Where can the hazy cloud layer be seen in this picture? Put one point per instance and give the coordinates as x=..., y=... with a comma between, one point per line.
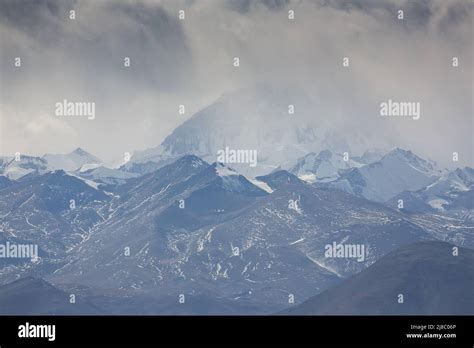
x=190, y=62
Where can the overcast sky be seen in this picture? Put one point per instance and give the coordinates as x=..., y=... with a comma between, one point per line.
x=189, y=62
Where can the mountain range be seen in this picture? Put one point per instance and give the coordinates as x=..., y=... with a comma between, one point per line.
x=200, y=228
x=133, y=236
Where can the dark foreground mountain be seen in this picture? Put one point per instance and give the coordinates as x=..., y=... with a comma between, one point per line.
x=29, y=296
x=431, y=279
x=35, y=296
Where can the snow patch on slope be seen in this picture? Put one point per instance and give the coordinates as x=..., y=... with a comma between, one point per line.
x=260, y=184
x=223, y=171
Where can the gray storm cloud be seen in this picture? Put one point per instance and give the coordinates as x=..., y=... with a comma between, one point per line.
x=189, y=62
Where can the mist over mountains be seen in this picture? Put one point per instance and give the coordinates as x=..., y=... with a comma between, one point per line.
x=236, y=157
x=283, y=62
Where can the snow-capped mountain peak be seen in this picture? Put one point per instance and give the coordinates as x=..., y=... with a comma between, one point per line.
x=75, y=160
x=399, y=170
x=322, y=167
x=26, y=165
x=418, y=163
x=80, y=152
x=250, y=120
